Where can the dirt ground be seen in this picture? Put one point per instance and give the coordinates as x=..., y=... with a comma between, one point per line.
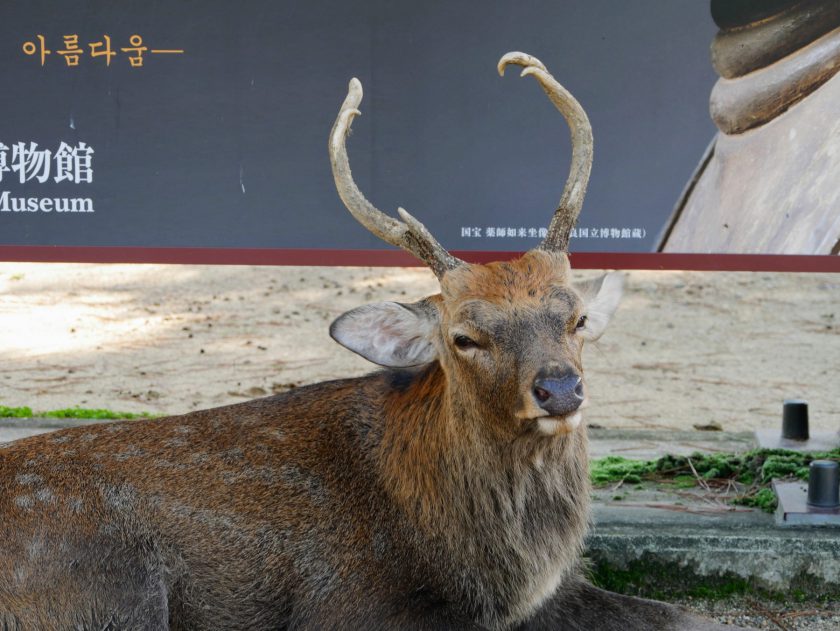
x=685, y=348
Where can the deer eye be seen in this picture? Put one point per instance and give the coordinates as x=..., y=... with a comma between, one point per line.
x=581, y=323
x=463, y=342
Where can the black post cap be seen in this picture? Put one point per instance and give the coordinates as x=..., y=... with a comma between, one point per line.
x=824, y=484
x=795, y=419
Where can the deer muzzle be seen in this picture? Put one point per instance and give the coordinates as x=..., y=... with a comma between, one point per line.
x=559, y=396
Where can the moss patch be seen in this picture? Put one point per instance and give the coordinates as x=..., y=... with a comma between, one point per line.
x=752, y=471
x=764, y=498
x=649, y=578
x=26, y=412
x=615, y=469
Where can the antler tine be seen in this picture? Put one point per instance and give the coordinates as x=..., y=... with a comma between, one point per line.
x=572, y=199
x=408, y=234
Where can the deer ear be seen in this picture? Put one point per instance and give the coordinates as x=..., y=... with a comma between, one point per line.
x=389, y=333
x=601, y=297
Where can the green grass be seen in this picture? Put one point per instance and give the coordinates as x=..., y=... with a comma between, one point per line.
x=7, y=412
x=82, y=413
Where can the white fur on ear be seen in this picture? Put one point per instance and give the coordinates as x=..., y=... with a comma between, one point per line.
x=389, y=333
x=601, y=297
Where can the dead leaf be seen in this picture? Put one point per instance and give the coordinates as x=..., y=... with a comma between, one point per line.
x=711, y=426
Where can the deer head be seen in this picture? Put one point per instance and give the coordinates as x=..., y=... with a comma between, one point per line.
x=508, y=335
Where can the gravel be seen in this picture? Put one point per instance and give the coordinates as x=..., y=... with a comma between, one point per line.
x=761, y=614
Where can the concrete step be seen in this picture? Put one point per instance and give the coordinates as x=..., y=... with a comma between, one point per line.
x=664, y=543
x=17, y=428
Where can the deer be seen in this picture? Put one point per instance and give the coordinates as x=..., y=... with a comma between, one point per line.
x=447, y=490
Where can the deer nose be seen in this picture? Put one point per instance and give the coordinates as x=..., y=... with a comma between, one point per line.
x=559, y=395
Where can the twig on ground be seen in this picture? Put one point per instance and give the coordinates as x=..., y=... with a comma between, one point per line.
x=800, y=613
x=618, y=485
x=700, y=480
x=759, y=609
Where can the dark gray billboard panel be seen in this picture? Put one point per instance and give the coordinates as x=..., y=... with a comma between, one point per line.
x=149, y=131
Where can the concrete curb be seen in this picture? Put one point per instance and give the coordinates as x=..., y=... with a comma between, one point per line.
x=646, y=444
x=17, y=428
x=671, y=551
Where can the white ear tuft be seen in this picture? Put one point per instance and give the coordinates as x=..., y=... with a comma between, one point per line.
x=389, y=333
x=601, y=297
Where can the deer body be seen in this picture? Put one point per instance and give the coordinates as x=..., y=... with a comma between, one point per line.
x=449, y=491
x=313, y=495
x=264, y=515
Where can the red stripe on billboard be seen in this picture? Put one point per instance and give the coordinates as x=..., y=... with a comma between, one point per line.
x=396, y=258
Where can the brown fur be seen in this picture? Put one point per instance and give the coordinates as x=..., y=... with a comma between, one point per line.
x=421, y=498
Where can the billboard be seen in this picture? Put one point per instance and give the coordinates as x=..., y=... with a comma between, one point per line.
x=196, y=131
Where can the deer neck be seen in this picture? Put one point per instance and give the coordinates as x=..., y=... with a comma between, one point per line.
x=511, y=514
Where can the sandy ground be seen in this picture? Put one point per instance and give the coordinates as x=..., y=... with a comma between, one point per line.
x=685, y=348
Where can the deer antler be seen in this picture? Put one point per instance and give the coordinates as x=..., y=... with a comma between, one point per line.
x=409, y=233
x=570, y=203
